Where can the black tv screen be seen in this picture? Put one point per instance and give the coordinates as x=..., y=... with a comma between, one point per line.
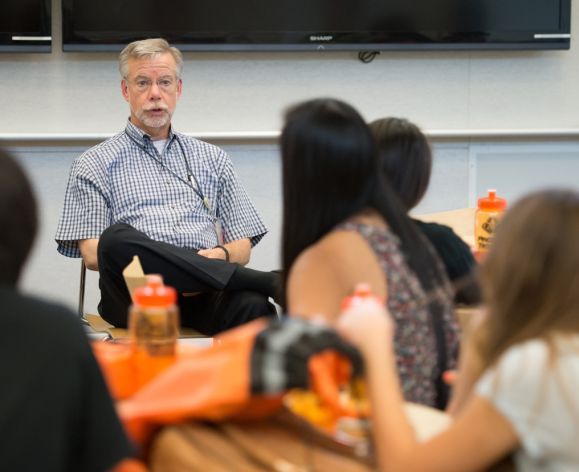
x=107, y=25
x=25, y=26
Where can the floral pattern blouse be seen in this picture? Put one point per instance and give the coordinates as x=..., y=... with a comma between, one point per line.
x=415, y=338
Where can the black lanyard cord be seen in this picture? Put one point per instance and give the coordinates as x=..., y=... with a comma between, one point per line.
x=190, y=175
x=191, y=180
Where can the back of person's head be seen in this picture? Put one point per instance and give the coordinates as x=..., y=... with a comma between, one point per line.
x=18, y=215
x=530, y=277
x=405, y=157
x=147, y=49
x=329, y=171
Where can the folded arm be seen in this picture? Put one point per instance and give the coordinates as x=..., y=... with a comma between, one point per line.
x=239, y=251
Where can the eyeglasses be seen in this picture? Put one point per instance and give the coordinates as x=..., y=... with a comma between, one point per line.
x=166, y=84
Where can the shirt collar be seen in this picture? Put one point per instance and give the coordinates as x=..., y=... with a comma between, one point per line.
x=138, y=135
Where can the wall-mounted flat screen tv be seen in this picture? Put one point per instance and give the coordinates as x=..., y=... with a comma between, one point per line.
x=25, y=26
x=210, y=25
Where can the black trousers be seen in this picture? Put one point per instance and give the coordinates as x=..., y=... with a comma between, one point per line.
x=214, y=310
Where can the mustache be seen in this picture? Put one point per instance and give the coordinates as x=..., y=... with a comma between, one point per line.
x=157, y=107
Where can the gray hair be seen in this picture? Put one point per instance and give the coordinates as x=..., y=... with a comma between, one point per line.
x=149, y=48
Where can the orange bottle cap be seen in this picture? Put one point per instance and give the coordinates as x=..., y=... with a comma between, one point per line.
x=361, y=291
x=492, y=202
x=155, y=293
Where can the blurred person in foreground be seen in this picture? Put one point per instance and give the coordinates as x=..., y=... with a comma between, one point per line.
x=56, y=414
x=519, y=370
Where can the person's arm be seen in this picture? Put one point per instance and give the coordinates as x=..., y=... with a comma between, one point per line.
x=239, y=251
x=86, y=212
x=469, y=365
x=328, y=271
x=469, y=370
x=88, y=251
x=478, y=438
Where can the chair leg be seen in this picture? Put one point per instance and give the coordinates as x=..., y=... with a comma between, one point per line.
x=81, y=290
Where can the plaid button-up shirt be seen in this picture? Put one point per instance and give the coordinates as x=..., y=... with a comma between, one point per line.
x=126, y=180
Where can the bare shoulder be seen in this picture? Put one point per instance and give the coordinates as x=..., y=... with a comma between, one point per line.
x=328, y=271
x=343, y=242
x=337, y=251
x=353, y=258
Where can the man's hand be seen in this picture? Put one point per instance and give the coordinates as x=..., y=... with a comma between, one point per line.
x=239, y=251
x=214, y=253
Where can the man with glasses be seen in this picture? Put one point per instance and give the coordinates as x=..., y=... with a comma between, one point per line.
x=170, y=199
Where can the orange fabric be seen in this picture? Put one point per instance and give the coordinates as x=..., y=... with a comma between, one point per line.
x=329, y=372
x=130, y=465
x=210, y=384
x=118, y=367
x=213, y=384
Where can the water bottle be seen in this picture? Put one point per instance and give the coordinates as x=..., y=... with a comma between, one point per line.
x=153, y=328
x=356, y=430
x=362, y=299
x=487, y=216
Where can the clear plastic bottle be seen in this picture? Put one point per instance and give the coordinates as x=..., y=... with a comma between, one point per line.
x=356, y=430
x=488, y=214
x=153, y=328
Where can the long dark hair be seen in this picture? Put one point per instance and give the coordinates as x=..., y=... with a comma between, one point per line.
x=330, y=173
x=405, y=157
x=18, y=216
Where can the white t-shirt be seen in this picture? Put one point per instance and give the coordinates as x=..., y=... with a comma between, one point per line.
x=540, y=400
x=160, y=145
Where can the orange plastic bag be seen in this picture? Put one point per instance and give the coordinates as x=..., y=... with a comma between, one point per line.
x=239, y=377
x=329, y=372
x=210, y=384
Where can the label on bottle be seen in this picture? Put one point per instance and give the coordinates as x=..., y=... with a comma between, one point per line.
x=485, y=226
x=154, y=332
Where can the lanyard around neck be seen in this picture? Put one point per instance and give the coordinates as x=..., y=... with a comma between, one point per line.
x=191, y=180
